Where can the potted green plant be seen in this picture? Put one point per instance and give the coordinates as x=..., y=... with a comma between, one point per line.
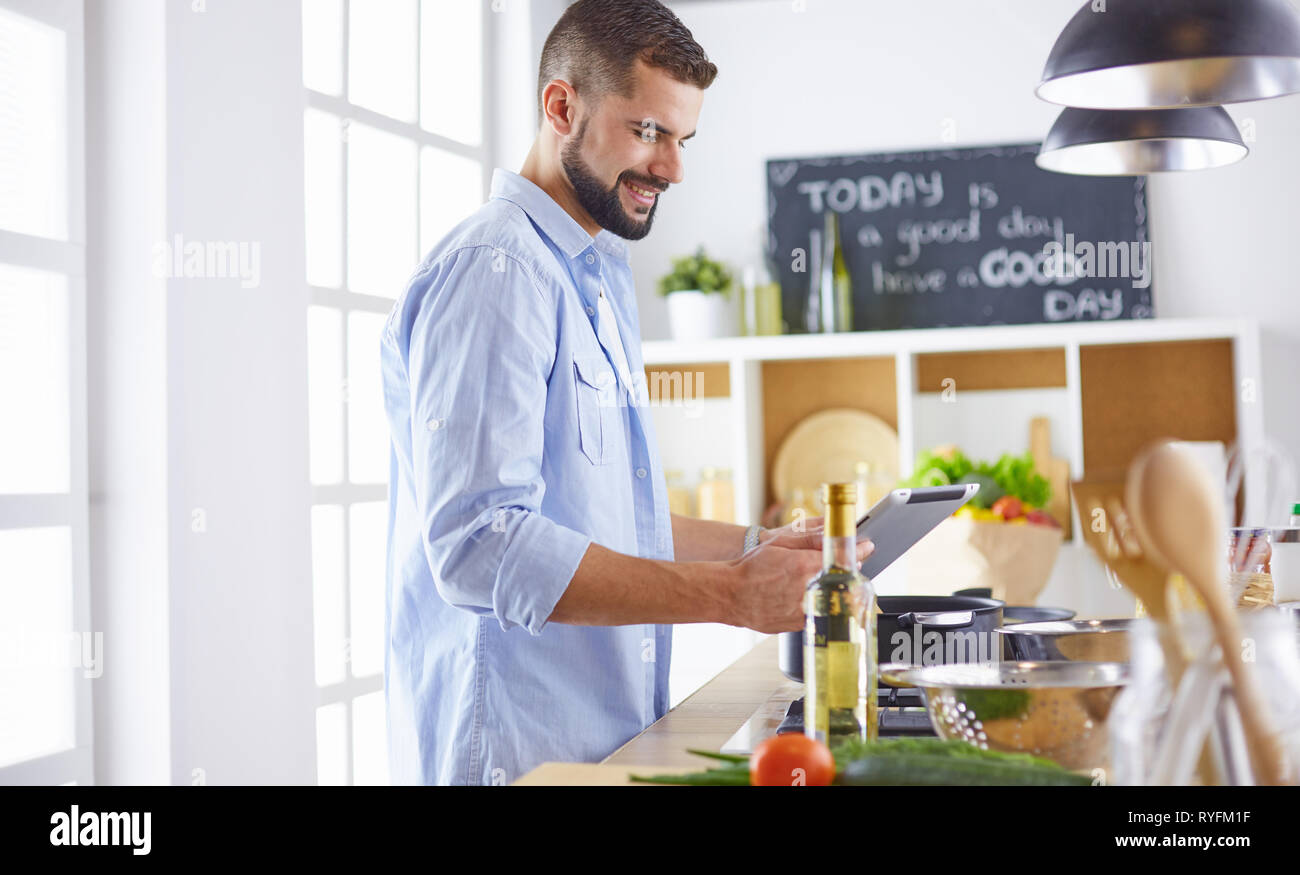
x=698, y=292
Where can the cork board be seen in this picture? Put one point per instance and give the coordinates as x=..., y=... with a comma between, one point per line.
x=992, y=369
x=1137, y=393
x=794, y=389
x=668, y=383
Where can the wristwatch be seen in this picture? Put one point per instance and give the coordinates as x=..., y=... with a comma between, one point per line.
x=751, y=538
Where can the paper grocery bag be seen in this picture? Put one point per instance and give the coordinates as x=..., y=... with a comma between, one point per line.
x=1013, y=560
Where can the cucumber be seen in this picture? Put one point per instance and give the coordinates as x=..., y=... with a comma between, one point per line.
x=853, y=749
x=943, y=770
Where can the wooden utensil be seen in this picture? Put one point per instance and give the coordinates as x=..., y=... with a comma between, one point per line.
x=1114, y=539
x=1182, y=527
x=1118, y=546
x=1055, y=469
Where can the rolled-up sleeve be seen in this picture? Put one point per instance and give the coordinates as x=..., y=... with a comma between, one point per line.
x=480, y=349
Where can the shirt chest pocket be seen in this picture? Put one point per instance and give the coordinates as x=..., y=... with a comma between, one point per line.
x=597, y=399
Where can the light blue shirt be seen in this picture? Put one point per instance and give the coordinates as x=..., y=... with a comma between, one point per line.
x=514, y=448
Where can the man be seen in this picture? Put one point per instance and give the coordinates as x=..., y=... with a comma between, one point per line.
x=533, y=565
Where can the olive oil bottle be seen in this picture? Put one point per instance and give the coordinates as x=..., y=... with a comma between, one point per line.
x=840, y=632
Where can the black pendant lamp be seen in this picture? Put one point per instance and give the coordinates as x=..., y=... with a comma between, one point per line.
x=1152, y=54
x=1099, y=142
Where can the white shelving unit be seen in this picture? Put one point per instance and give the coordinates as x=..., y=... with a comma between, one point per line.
x=731, y=428
x=744, y=356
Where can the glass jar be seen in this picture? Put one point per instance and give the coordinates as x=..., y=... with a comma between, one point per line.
x=715, y=497
x=1250, y=580
x=679, y=497
x=1192, y=735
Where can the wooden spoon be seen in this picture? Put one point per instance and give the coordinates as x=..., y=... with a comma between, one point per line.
x=1161, y=607
x=1118, y=547
x=1156, y=597
x=1182, y=527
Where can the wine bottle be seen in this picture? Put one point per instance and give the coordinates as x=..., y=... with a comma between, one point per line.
x=813, y=304
x=840, y=631
x=836, y=285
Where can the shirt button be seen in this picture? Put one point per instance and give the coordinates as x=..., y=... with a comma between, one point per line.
x=640, y=472
x=591, y=259
x=591, y=311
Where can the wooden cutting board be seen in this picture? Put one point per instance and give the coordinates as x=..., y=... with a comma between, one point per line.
x=590, y=775
x=1056, y=470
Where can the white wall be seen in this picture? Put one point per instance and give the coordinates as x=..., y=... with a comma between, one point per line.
x=849, y=76
x=243, y=684
x=202, y=563
x=127, y=389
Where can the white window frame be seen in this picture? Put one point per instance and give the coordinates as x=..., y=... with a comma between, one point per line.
x=346, y=493
x=72, y=508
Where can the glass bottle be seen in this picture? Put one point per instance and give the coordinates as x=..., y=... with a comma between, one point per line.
x=840, y=285
x=715, y=497
x=679, y=497
x=862, y=479
x=830, y=297
x=749, y=302
x=761, y=303
x=840, y=632
x=813, y=303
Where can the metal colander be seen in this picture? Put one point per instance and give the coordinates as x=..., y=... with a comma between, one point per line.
x=1056, y=710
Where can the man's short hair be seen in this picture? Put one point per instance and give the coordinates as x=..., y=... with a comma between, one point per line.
x=596, y=43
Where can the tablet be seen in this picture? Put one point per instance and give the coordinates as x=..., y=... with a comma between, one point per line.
x=905, y=516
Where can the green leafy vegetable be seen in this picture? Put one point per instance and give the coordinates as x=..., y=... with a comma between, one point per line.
x=1010, y=475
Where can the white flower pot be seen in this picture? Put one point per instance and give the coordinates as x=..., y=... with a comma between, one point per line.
x=694, y=315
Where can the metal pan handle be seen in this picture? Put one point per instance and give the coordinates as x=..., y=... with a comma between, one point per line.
x=941, y=619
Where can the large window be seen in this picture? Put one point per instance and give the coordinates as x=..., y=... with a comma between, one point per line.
x=396, y=153
x=48, y=654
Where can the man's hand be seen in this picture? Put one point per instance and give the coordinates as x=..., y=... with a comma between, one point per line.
x=803, y=534
x=772, y=577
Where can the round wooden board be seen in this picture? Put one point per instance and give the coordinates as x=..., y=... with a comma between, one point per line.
x=826, y=447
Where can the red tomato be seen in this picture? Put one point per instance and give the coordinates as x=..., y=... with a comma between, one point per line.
x=1007, y=507
x=1042, y=518
x=791, y=760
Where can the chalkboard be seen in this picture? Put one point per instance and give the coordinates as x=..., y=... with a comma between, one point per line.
x=975, y=236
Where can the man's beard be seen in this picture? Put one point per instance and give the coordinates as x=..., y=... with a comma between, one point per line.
x=606, y=206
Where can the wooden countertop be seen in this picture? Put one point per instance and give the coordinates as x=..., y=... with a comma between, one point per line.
x=711, y=715
x=705, y=720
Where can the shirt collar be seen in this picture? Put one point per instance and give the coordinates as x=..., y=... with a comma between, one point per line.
x=562, y=228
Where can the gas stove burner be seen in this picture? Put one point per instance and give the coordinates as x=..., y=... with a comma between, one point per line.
x=902, y=712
